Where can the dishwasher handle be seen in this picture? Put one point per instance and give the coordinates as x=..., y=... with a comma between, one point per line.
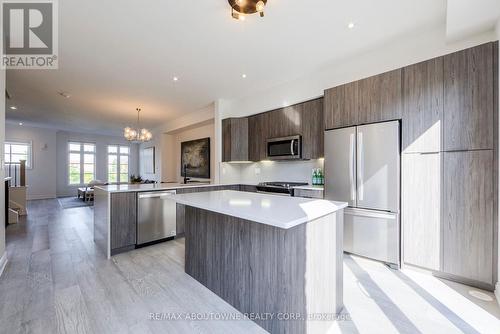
x=158, y=194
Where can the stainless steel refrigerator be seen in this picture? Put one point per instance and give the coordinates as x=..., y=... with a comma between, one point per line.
x=362, y=167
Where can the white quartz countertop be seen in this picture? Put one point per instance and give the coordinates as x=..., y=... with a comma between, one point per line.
x=279, y=211
x=116, y=188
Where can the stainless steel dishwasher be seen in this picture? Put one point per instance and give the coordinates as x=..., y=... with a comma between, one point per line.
x=156, y=219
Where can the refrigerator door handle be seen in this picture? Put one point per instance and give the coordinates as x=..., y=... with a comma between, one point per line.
x=361, y=167
x=352, y=158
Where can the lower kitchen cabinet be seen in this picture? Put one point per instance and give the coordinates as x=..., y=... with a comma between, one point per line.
x=421, y=210
x=447, y=214
x=468, y=215
x=123, y=221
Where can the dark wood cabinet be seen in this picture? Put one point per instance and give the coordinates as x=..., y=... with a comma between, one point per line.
x=341, y=106
x=469, y=99
x=305, y=119
x=468, y=229
x=374, y=99
x=284, y=122
x=181, y=209
x=422, y=126
x=312, y=129
x=257, y=132
x=380, y=97
x=123, y=221
x=235, y=139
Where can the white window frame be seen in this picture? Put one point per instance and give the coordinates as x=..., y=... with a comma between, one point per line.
x=118, y=155
x=82, y=153
x=29, y=143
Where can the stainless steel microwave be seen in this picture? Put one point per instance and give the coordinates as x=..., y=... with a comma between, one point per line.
x=285, y=148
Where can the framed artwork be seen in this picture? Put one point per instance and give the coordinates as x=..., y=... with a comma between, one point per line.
x=148, y=160
x=195, y=158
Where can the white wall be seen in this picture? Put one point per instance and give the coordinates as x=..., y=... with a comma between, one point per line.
x=412, y=49
x=41, y=178
x=198, y=132
x=157, y=143
x=163, y=142
x=291, y=171
x=63, y=137
x=3, y=256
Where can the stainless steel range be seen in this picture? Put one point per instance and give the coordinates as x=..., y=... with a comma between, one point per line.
x=279, y=188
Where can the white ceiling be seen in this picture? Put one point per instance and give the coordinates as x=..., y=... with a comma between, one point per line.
x=469, y=17
x=117, y=55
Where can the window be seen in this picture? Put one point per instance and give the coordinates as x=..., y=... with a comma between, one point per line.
x=16, y=151
x=81, y=163
x=118, y=157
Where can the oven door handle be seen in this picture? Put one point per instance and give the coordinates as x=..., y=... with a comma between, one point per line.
x=291, y=146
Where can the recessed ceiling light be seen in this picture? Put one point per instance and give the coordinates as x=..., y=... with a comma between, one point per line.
x=64, y=94
x=244, y=76
x=350, y=25
x=20, y=123
x=13, y=107
x=176, y=79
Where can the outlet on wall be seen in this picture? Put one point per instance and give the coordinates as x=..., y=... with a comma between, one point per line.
x=257, y=170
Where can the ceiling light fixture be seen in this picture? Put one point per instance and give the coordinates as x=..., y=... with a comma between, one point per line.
x=176, y=79
x=240, y=8
x=13, y=107
x=137, y=135
x=20, y=123
x=244, y=76
x=64, y=94
x=350, y=25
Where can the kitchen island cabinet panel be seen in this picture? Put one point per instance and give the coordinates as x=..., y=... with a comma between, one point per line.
x=123, y=221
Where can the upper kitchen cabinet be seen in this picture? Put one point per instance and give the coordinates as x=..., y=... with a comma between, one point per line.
x=341, y=106
x=380, y=98
x=285, y=122
x=312, y=129
x=423, y=106
x=257, y=132
x=468, y=98
x=235, y=139
x=304, y=119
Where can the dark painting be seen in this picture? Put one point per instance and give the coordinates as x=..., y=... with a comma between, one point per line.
x=195, y=158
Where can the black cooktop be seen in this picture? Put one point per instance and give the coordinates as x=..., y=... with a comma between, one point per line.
x=279, y=187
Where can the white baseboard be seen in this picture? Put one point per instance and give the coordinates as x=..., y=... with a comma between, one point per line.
x=3, y=262
x=497, y=292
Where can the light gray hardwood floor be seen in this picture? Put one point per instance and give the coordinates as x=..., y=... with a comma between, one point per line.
x=56, y=281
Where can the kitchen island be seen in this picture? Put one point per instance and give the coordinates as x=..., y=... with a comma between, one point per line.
x=116, y=212
x=277, y=259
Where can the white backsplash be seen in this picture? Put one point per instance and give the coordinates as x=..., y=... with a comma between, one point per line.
x=290, y=171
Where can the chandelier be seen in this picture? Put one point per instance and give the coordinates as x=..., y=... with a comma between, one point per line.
x=137, y=134
x=241, y=7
